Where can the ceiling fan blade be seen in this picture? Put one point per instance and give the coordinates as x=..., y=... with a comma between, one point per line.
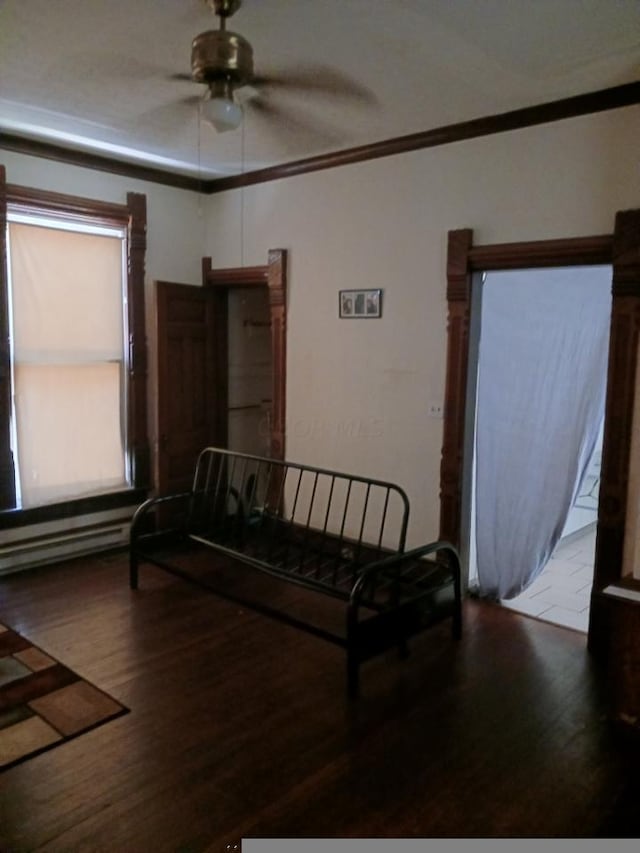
x=186, y=78
x=170, y=111
x=189, y=101
x=318, y=78
x=196, y=10
x=290, y=125
x=102, y=66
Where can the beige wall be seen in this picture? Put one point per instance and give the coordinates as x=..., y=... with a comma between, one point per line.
x=358, y=391
x=631, y=561
x=175, y=226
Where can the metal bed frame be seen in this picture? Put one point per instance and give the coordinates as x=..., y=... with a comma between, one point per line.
x=337, y=534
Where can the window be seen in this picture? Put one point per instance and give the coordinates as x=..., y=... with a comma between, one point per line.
x=68, y=430
x=72, y=372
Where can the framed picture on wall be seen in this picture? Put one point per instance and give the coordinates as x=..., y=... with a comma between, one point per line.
x=360, y=304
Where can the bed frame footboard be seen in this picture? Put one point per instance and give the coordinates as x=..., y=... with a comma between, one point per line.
x=332, y=533
x=422, y=591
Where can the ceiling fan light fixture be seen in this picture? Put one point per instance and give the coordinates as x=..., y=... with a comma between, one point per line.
x=222, y=112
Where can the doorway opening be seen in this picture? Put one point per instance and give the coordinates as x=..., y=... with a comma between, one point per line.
x=250, y=371
x=251, y=362
x=537, y=388
x=619, y=249
x=193, y=352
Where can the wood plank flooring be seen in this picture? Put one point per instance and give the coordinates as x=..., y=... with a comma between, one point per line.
x=240, y=727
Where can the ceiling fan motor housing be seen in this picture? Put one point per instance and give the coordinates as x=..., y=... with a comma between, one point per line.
x=221, y=55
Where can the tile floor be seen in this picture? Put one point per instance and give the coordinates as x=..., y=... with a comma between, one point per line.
x=561, y=593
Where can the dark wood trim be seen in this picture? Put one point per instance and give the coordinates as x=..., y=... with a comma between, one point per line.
x=7, y=469
x=237, y=276
x=623, y=252
x=629, y=583
x=43, y=203
x=459, y=313
x=71, y=509
x=273, y=276
x=464, y=259
x=97, y=162
x=616, y=449
x=220, y=344
x=592, y=102
x=221, y=362
x=277, y=282
x=602, y=100
x=542, y=253
x=138, y=438
x=623, y=350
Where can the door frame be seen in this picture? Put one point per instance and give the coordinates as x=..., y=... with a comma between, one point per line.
x=273, y=276
x=622, y=251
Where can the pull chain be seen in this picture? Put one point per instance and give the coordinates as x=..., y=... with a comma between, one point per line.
x=242, y=195
x=199, y=139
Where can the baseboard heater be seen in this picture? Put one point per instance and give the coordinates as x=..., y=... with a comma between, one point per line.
x=52, y=547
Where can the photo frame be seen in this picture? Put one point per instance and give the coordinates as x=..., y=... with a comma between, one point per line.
x=360, y=304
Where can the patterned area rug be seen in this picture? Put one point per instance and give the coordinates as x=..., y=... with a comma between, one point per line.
x=43, y=703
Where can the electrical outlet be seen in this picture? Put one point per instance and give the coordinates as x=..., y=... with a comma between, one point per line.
x=436, y=410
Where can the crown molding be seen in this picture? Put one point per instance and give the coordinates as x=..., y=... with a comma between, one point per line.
x=612, y=98
x=97, y=162
x=592, y=102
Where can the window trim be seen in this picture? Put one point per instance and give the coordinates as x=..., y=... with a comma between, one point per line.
x=133, y=217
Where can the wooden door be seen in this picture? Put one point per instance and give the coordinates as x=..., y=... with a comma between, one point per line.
x=192, y=355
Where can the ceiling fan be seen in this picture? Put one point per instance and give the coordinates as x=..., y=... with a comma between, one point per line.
x=223, y=60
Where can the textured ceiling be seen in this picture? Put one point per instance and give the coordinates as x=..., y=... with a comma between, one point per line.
x=93, y=74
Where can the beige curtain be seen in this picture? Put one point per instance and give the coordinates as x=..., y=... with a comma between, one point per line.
x=66, y=291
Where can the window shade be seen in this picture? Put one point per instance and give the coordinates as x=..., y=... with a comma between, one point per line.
x=67, y=314
x=67, y=295
x=69, y=437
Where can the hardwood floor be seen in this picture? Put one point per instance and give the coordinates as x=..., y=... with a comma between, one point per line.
x=240, y=727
